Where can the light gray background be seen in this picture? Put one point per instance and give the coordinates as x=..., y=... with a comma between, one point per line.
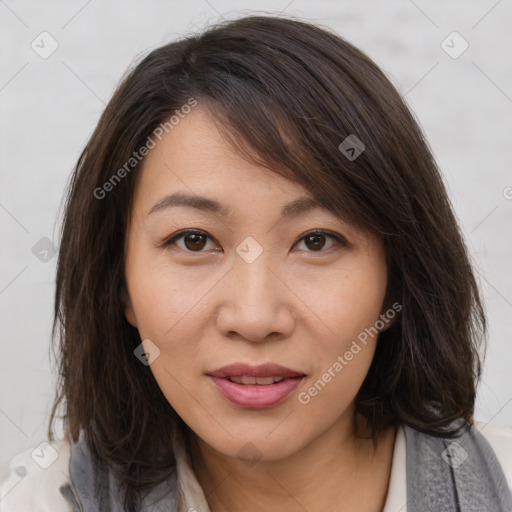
x=49, y=108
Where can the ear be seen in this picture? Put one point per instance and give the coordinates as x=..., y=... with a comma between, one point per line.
x=389, y=322
x=390, y=315
x=129, y=313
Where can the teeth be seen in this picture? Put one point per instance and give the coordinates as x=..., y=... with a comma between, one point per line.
x=261, y=381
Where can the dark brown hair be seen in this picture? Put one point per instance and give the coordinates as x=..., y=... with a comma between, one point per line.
x=285, y=93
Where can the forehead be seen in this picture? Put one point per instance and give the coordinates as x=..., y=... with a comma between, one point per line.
x=193, y=159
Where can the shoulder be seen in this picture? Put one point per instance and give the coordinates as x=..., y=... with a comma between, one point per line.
x=35, y=479
x=500, y=439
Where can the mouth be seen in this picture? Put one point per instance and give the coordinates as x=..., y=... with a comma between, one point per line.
x=256, y=387
x=247, y=380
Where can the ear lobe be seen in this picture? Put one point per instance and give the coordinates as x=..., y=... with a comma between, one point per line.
x=390, y=316
x=129, y=313
x=389, y=322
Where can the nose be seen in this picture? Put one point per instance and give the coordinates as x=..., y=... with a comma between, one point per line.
x=256, y=303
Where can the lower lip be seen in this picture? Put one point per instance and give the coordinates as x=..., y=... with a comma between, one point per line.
x=254, y=396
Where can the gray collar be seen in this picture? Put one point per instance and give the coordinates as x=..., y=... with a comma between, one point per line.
x=461, y=474
x=443, y=475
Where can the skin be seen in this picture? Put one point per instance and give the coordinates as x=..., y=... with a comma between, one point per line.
x=297, y=304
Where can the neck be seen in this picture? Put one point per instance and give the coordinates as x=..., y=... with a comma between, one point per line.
x=337, y=467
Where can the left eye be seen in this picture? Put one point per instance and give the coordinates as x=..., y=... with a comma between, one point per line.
x=195, y=241
x=315, y=240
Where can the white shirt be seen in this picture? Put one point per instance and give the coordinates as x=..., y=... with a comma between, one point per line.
x=32, y=488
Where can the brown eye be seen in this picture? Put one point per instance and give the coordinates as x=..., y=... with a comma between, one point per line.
x=316, y=241
x=193, y=241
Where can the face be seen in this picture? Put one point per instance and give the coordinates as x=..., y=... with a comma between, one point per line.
x=241, y=284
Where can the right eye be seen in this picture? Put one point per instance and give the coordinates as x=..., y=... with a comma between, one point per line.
x=193, y=240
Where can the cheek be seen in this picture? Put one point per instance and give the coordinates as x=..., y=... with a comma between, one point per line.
x=171, y=311
x=175, y=321
x=346, y=303
x=329, y=394
x=341, y=364
x=167, y=299
x=347, y=307
x=167, y=316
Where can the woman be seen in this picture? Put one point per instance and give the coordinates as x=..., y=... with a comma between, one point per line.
x=263, y=298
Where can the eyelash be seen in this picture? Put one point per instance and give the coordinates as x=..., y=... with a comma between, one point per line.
x=338, y=238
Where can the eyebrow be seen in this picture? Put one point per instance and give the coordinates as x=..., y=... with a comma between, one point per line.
x=292, y=209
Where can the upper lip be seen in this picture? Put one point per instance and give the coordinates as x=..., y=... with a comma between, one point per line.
x=262, y=370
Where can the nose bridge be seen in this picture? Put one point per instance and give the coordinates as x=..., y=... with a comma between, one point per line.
x=255, y=285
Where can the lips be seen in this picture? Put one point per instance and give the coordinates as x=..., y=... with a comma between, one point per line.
x=255, y=387
x=262, y=370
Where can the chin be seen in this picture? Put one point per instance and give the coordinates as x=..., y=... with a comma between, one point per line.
x=255, y=444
